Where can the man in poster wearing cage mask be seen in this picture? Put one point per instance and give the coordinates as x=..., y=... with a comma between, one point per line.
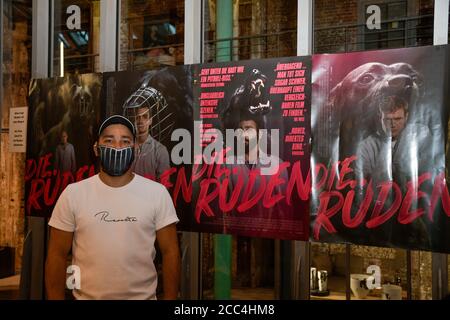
x=142, y=109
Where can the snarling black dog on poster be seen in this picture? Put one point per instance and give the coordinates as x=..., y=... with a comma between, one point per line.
x=255, y=188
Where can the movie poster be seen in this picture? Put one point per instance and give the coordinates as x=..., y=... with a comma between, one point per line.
x=251, y=148
x=63, y=115
x=159, y=104
x=379, y=128
x=262, y=192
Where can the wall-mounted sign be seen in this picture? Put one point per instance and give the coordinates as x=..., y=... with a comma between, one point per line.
x=18, y=129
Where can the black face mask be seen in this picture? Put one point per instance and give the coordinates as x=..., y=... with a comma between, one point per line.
x=115, y=162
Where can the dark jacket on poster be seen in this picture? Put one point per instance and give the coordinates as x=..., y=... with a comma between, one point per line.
x=379, y=159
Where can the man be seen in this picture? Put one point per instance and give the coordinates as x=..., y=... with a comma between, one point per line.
x=152, y=159
x=399, y=152
x=65, y=155
x=253, y=156
x=383, y=156
x=254, y=168
x=110, y=221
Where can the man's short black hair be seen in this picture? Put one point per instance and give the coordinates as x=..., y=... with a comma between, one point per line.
x=394, y=103
x=247, y=117
x=232, y=118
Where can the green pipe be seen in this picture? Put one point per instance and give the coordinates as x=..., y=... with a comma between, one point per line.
x=222, y=243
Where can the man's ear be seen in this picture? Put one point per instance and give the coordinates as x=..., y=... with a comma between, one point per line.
x=96, y=149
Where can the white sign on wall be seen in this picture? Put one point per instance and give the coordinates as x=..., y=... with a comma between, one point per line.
x=18, y=129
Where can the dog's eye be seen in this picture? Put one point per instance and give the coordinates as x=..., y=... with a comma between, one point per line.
x=366, y=79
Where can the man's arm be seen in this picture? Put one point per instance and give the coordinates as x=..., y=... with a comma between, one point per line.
x=163, y=161
x=73, y=161
x=171, y=261
x=55, y=266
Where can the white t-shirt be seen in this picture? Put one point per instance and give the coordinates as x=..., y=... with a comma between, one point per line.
x=114, y=235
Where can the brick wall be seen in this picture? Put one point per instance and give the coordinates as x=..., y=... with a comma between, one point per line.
x=16, y=75
x=281, y=17
x=330, y=17
x=136, y=13
x=330, y=14
x=123, y=36
x=277, y=19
